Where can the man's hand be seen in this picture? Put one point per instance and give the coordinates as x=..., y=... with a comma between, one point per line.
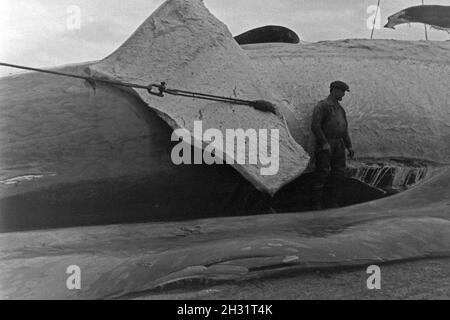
x=351, y=153
x=326, y=147
x=265, y=106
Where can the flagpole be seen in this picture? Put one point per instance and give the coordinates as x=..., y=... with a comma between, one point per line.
x=426, y=32
x=375, y=19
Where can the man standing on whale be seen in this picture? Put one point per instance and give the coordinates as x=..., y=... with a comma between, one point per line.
x=330, y=128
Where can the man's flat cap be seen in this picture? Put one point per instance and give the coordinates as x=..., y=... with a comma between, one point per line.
x=340, y=85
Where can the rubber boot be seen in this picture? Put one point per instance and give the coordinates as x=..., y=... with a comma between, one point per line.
x=333, y=197
x=317, y=199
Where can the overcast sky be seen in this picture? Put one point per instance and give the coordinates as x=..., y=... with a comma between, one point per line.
x=42, y=33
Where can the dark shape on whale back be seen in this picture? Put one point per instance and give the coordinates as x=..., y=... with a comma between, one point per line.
x=268, y=34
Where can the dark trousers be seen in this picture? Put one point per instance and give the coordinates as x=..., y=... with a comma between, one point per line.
x=330, y=169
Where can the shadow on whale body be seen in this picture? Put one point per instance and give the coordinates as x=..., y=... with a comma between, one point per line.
x=120, y=202
x=186, y=193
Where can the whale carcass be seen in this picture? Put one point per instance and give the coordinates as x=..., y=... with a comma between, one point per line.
x=191, y=49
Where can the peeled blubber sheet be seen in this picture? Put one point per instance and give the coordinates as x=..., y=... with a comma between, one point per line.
x=183, y=44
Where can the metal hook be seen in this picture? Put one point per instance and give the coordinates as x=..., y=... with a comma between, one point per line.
x=161, y=89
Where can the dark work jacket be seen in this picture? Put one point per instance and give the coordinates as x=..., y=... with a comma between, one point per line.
x=330, y=122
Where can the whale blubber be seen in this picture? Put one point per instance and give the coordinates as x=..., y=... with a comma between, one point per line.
x=203, y=57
